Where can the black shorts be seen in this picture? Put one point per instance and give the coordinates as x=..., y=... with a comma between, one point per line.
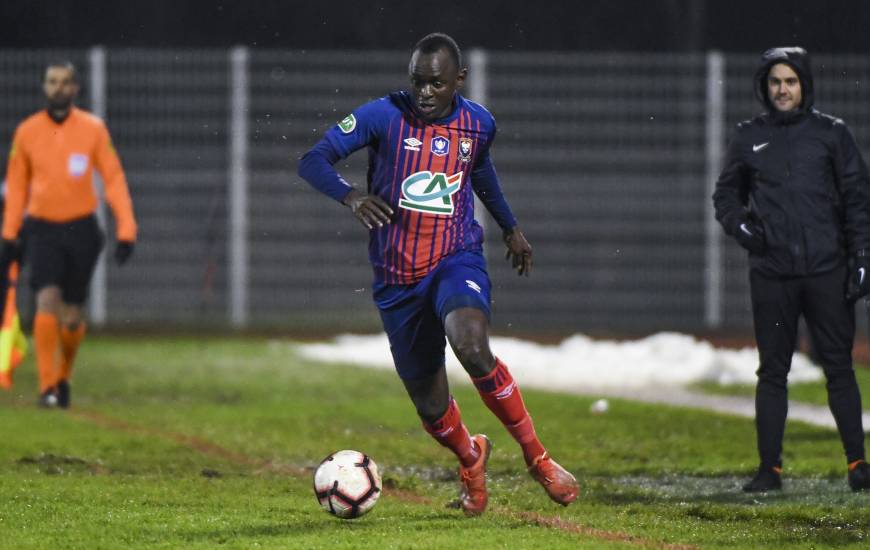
x=63, y=254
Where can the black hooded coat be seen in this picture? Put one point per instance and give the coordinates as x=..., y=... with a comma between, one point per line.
x=800, y=177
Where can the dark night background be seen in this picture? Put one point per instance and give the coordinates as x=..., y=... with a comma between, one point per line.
x=628, y=25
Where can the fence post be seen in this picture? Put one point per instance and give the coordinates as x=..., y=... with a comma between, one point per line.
x=478, y=84
x=237, y=198
x=715, y=139
x=99, y=283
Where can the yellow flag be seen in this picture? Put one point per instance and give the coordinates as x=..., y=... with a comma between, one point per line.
x=13, y=343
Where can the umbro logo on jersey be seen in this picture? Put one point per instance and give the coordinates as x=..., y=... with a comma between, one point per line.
x=412, y=144
x=429, y=192
x=440, y=146
x=472, y=285
x=760, y=146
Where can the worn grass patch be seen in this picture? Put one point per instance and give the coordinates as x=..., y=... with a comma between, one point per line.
x=191, y=444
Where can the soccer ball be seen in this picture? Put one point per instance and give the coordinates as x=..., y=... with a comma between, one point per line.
x=347, y=484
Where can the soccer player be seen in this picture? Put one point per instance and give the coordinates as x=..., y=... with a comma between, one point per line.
x=795, y=194
x=49, y=179
x=428, y=151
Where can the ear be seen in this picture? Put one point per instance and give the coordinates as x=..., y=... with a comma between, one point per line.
x=460, y=77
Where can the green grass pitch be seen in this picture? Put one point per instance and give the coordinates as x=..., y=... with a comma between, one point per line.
x=211, y=443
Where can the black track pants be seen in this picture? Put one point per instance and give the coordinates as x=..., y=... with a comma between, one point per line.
x=777, y=304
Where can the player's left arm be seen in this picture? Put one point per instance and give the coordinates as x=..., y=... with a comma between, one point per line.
x=854, y=186
x=117, y=195
x=484, y=181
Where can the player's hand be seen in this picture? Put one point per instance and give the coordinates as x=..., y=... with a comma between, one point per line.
x=370, y=210
x=10, y=251
x=858, y=284
x=123, y=251
x=750, y=235
x=519, y=251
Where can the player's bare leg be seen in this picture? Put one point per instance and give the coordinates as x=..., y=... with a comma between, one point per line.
x=46, y=335
x=443, y=421
x=468, y=333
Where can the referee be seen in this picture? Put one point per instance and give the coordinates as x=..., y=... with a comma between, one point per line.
x=794, y=192
x=50, y=212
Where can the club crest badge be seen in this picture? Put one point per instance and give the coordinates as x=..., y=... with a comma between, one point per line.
x=440, y=146
x=465, y=149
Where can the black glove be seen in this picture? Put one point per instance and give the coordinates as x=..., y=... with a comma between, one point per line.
x=750, y=235
x=858, y=284
x=123, y=251
x=10, y=252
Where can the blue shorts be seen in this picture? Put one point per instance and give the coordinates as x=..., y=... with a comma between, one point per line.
x=413, y=315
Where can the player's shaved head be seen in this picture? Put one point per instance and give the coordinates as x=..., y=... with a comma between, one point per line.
x=437, y=41
x=63, y=64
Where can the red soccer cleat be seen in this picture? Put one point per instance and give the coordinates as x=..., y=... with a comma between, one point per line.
x=556, y=480
x=473, y=496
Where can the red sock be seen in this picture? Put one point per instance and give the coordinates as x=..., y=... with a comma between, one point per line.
x=452, y=433
x=502, y=395
x=46, y=334
x=69, y=345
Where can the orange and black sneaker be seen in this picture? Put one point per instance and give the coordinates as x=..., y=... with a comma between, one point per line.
x=63, y=394
x=859, y=475
x=766, y=479
x=556, y=480
x=473, y=496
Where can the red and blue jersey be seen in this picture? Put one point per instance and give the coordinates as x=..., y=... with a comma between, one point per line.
x=427, y=172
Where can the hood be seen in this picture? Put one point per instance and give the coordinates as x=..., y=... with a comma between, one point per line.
x=799, y=60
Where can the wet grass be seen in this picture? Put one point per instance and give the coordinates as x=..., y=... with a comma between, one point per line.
x=813, y=393
x=185, y=443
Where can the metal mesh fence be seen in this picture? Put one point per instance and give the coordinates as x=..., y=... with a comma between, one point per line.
x=601, y=155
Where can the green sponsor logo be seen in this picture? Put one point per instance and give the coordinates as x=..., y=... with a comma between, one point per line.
x=347, y=124
x=431, y=193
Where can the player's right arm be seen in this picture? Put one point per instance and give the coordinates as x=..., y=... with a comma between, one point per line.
x=729, y=198
x=17, y=188
x=357, y=130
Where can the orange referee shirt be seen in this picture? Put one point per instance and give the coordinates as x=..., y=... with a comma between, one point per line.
x=50, y=173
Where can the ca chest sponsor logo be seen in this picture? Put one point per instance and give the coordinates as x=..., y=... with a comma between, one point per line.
x=430, y=192
x=440, y=146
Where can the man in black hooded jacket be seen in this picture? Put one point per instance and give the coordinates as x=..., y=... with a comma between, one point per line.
x=794, y=192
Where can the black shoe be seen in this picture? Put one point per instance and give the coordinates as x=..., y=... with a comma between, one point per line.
x=859, y=476
x=63, y=394
x=48, y=399
x=767, y=479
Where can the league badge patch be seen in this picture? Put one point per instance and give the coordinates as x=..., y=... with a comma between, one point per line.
x=347, y=124
x=465, y=149
x=440, y=146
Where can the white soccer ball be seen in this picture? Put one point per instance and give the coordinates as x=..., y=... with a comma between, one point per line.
x=600, y=407
x=347, y=484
